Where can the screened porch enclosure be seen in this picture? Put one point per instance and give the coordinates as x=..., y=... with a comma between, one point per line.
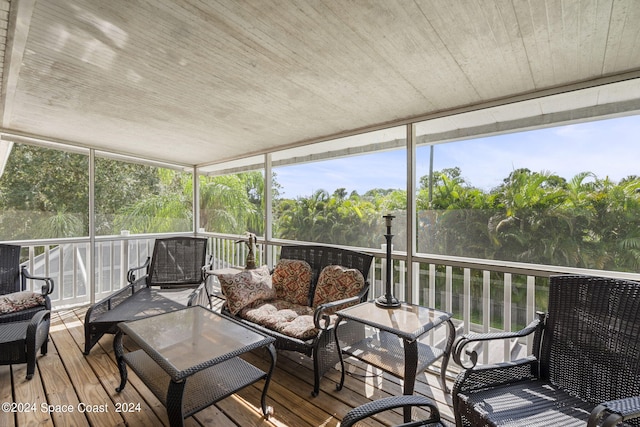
x=480, y=250
x=501, y=135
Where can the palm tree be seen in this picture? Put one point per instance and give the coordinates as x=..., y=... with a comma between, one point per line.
x=321, y=217
x=232, y=203
x=59, y=225
x=527, y=228
x=616, y=230
x=157, y=213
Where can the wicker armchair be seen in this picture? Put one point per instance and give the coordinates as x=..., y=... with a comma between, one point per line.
x=174, y=279
x=13, y=281
x=372, y=408
x=585, y=366
x=21, y=340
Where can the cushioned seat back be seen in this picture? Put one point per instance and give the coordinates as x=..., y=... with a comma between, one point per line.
x=336, y=283
x=177, y=261
x=591, y=342
x=319, y=257
x=9, y=269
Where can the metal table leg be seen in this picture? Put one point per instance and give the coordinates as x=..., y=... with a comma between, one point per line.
x=268, y=410
x=410, y=372
x=335, y=334
x=174, y=403
x=122, y=365
x=447, y=355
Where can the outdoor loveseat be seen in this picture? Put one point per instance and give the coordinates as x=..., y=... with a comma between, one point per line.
x=295, y=303
x=585, y=365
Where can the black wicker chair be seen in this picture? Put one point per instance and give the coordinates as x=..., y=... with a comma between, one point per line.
x=377, y=406
x=174, y=279
x=21, y=340
x=13, y=278
x=322, y=348
x=585, y=367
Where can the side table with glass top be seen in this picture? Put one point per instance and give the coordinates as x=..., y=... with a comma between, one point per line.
x=189, y=359
x=393, y=341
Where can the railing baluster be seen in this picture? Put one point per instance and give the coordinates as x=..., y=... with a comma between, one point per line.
x=432, y=285
x=124, y=260
x=507, y=314
x=98, y=257
x=415, y=291
x=449, y=289
x=402, y=269
x=74, y=271
x=531, y=306
x=486, y=311
x=223, y=252
x=31, y=265
x=466, y=304
x=63, y=284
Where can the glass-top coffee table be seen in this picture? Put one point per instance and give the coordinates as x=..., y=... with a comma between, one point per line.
x=393, y=340
x=189, y=359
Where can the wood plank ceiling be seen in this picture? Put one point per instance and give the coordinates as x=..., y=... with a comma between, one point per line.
x=202, y=81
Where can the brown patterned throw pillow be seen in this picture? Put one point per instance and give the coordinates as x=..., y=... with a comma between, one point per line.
x=292, y=280
x=335, y=283
x=241, y=289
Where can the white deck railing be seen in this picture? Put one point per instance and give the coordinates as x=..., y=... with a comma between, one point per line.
x=482, y=297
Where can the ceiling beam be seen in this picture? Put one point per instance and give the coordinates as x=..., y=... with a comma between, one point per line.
x=19, y=22
x=18, y=29
x=559, y=118
x=592, y=83
x=11, y=136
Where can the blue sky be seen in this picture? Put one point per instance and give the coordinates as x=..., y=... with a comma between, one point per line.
x=608, y=148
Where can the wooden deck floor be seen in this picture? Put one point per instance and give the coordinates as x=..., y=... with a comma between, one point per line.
x=66, y=382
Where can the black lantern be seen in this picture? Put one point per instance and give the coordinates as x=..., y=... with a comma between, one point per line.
x=388, y=300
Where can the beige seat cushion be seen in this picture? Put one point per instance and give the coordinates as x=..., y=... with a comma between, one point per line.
x=293, y=320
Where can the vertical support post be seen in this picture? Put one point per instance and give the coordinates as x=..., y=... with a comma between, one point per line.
x=91, y=280
x=268, y=209
x=412, y=285
x=196, y=200
x=430, y=175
